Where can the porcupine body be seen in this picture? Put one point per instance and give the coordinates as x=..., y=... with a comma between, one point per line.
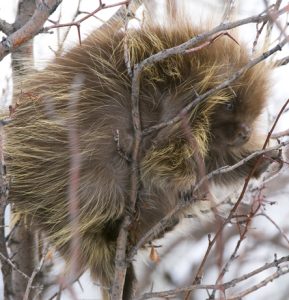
x=220, y=131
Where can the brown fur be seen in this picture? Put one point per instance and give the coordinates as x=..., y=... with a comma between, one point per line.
x=37, y=148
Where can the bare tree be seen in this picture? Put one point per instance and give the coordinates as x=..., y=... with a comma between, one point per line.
x=23, y=254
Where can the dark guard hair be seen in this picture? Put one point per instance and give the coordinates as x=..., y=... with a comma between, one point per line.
x=39, y=156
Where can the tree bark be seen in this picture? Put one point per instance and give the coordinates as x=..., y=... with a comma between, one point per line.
x=22, y=242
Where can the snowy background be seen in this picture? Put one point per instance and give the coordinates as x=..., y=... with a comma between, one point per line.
x=183, y=249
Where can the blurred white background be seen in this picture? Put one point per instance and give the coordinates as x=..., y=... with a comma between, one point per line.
x=187, y=244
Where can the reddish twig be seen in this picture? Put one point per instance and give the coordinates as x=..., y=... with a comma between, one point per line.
x=234, y=254
x=275, y=123
x=211, y=41
x=77, y=23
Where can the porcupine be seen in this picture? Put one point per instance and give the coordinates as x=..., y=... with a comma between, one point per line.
x=37, y=149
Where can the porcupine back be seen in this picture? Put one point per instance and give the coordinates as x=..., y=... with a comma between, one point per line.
x=38, y=151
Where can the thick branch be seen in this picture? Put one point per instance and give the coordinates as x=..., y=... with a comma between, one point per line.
x=30, y=17
x=5, y=265
x=30, y=29
x=121, y=264
x=120, y=259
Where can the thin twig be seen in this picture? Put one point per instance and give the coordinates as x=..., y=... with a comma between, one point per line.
x=61, y=44
x=7, y=260
x=117, y=20
x=161, y=225
x=229, y=10
x=259, y=31
x=224, y=286
x=126, y=42
x=156, y=229
x=227, y=169
x=200, y=270
x=237, y=247
x=277, y=274
x=33, y=275
x=202, y=97
x=282, y=62
x=78, y=22
x=275, y=225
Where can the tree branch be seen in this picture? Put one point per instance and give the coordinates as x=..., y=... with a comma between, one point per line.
x=5, y=265
x=202, y=97
x=229, y=284
x=282, y=62
x=6, y=27
x=30, y=29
